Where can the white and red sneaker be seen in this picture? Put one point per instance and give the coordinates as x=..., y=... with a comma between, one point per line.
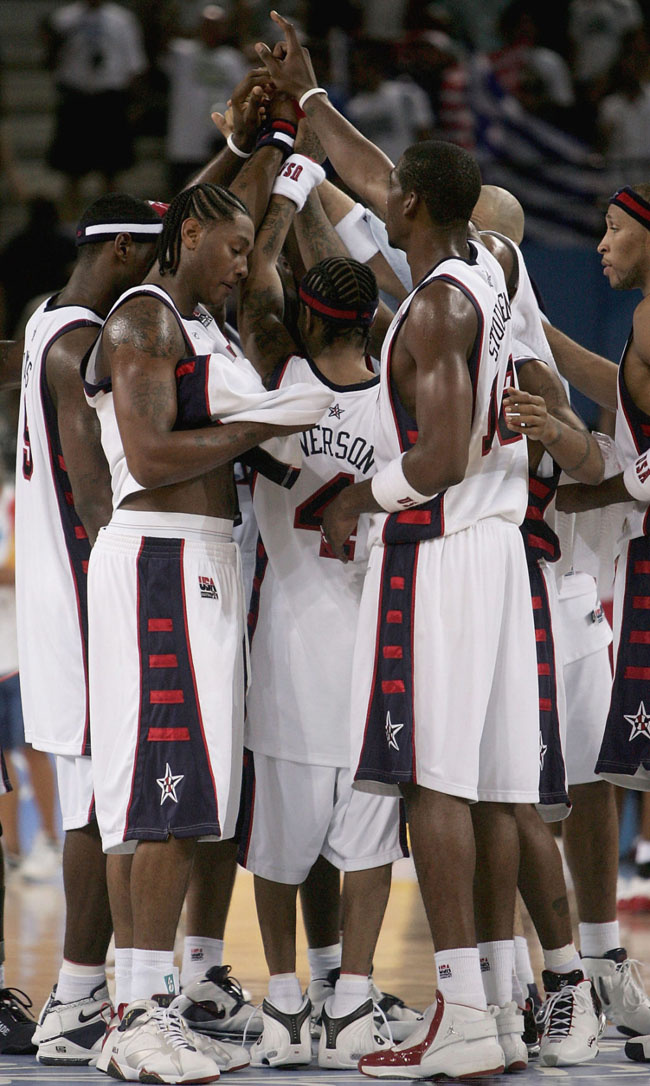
x=451, y=1040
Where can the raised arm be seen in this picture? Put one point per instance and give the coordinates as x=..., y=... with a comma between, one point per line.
x=142, y=344
x=247, y=109
x=79, y=431
x=361, y=164
x=539, y=409
x=590, y=373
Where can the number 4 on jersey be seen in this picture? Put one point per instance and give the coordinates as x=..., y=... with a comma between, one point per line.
x=309, y=514
x=496, y=418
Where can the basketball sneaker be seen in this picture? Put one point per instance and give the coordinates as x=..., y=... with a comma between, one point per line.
x=638, y=1049
x=451, y=1040
x=401, y=1019
x=530, y=1034
x=617, y=981
x=285, y=1040
x=510, y=1031
x=72, y=1033
x=215, y=1005
x=343, y=1041
x=568, y=1019
x=153, y=1044
x=318, y=991
x=16, y=1024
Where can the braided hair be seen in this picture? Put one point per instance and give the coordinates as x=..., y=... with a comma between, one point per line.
x=205, y=203
x=342, y=284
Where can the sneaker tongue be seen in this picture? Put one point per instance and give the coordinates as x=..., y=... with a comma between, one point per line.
x=163, y=999
x=130, y=1017
x=554, y=982
x=617, y=955
x=333, y=976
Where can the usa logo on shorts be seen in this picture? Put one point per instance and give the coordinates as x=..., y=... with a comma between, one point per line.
x=208, y=588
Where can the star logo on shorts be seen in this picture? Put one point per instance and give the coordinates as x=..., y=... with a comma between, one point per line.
x=542, y=751
x=335, y=411
x=391, y=732
x=640, y=723
x=167, y=785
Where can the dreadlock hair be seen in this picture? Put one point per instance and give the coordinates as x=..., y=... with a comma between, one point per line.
x=342, y=283
x=205, y=203
x=445, y=176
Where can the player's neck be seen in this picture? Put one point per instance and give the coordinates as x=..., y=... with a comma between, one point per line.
x=88, y=291
x=426, y=249
x=342, y=366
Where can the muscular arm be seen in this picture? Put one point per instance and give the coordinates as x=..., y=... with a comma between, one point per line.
x=590, y=373
x=540, y=410
x=357, y=161
x=441, y=388
x=265, y=340
x=142, y=344
x=79, y=431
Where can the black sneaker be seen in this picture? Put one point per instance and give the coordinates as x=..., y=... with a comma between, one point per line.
x=16, y=1025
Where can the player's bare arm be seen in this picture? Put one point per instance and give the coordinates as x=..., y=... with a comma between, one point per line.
x=142, y=344
x=265, y=339
x=357, y=161
x=578, y=498
x=247, y=105
x=637, y=357
x=590, y=373
x=254, y=181
x=11, y=362
x=540, y=410
x=79, y=431
x=432, y=376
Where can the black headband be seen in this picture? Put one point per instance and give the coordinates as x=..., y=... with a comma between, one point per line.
x=630, y=201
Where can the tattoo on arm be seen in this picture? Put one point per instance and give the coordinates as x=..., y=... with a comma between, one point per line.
x=275, y=227
x=561, y=906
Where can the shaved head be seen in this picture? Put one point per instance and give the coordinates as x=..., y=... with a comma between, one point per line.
x=497, y=209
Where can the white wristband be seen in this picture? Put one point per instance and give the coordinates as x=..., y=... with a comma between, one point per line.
x=235, y=149
x=314, y=90
x=392, y=490
x=297, y=178
x=636, y=479
x=356, y=235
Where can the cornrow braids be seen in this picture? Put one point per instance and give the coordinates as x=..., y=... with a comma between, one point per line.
x=342, y=285
x=205, y=203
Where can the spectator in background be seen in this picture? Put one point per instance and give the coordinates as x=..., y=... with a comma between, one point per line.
x=44, y=860
x=624, y=116
x=202, y=72
x=596, y=29
x=392, y=113
x=36, y=260
x=94, y=48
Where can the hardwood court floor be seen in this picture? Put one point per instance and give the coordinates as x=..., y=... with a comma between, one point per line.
x=34, y=932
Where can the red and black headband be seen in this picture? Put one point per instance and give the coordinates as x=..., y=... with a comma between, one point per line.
x=363, y=315
x=634, y=204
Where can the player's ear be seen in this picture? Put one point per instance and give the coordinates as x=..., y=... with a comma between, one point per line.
x=191, y=231
x=122, y=245
x=411, y=204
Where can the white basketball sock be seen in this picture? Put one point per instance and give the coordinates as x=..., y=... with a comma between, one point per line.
x=564, y=959
x=199, y=955
x=522, y=962
x=123, y=971
x=77, y=981
x=285, y=992
x=154, y=973
x=352, y=989
x=459, y=976
x=322, y=959
x=497, y=963
x=597, y=939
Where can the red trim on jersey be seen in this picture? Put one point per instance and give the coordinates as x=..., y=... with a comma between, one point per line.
x=415, y=516
x=413, y=582
x=536, y=541
x=539, y=489
x=140, y=669
x=545, y=705
x=166, y=697
x=394, y=616
x=642, y=567
x=397, y=582
x=160, y=625
x=392, y=686
x=540, y=635
x=636, y=673
x=169, y=659
x=185, y=367
x=639, y=637
x=376, y=663
x=392, y=652
x=196, y=692
x=165, y=735
x=641, y=603
x=536, y=602
x=543, y=669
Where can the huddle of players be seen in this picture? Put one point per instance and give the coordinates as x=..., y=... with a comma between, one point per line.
x=433, y=450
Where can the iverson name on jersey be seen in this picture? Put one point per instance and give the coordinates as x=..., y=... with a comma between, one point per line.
x=338, y=445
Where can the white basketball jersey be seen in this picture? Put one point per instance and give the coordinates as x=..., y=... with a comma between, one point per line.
x=202, y=336
x=305, y=602
x=496, y=480
x=52, y=551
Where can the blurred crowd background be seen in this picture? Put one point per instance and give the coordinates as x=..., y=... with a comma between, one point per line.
x=553, y=98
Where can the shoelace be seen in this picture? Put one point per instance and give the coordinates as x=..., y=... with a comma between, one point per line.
x=172, y=1026
x=633, y=990
x=377, y=1012
x=556, y=1012
x=12, y=996
x=255, y=1013
x=230, y=985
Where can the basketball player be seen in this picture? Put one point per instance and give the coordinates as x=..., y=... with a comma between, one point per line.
x=166, y=719
x=62, y=499
x=298, y=705
x=435, y=812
